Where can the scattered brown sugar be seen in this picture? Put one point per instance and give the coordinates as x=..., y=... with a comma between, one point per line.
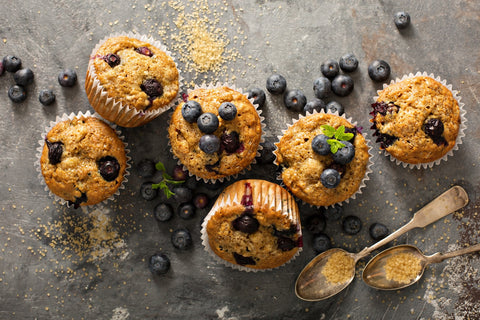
x=402, y=267
x=338, y=268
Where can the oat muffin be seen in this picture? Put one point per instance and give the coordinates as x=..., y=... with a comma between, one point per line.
x=130, y=81
x=253, y=224
x=416, y=120
x=83, y=161
x=322, y=179
x=212, y=146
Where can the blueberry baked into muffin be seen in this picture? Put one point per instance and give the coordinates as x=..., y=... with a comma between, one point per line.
x=253, y=224
x=83, y=161
x=416, y=120
x=324, y=159
x=215, y=133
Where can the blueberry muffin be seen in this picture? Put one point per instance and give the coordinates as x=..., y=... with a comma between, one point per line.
x=130, y=81
x=324, y=159
x=253, y=224
x=216, y=133
x=416, y=120
x=83, y=161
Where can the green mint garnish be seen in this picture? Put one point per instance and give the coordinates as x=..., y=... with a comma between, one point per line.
x=166, y=179
x=336, y=135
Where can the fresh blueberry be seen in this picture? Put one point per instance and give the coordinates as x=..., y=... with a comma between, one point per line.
x=330, y=68
x=320, y=145
x=243, y=261
x=17, y=93
x=401, y=19
x=209, y=143
x=285, y=243
x=46, y=97
x=159, y=263
x=266, y=154
x=152, y=88
x=23, y=77
x=334, y=213
x=179, y=174
x=109, y=168
x=191, y=183
x=147, y=192
x=200, y=201
x=146, y=168
x=322, y=87
x=163, y=212
x=345, y=154
x=334, y=106
x=316, y=223
x=55, y=151
x=295, y=100
x=342, y=85
x=112, y=59
x=182, y=194
x=321, y=242
x=348, y=62
x=378, y=231
x=145, y=51
x=227, y=111
x=379, y=70
x=186, y=211
x=67, y=78
x=258, y=96
x=330, y=178
x=351, y=225
x=230, y=142
x=181, y=239
x=314, y=105
x=207, y=122
x=276, y=84
x=246, y=223
x=191, y=110
x=12, y=63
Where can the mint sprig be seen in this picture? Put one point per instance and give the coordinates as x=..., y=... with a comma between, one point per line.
x=166, y=180
x=336, y=136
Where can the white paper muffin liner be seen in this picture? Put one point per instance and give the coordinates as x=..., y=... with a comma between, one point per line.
x=71, y=116
x=262, y=138
x=284, y=203
x=461, y=130
x=116, y=111
x=368, y=170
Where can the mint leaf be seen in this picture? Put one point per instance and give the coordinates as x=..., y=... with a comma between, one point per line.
x=166, y=179
x=160, y=167
x=335, y=145
x=341, y=135
x=328, y=130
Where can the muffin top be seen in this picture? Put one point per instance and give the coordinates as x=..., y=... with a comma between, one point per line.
x=303, y=167
x=239, y=137
x=83, y=161
x=416, y=120
x=136, y=73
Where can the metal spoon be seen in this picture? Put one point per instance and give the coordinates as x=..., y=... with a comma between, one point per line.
x=312, y=285
x=375, y=274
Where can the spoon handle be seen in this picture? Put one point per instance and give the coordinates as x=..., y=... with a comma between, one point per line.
x=451, y=200
x=439, y=257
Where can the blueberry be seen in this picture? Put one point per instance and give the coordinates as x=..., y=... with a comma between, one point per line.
x=330, y=178
x=46, y=97
x=379, y=70
x=200, y=201
x=341, y=168
x=12, y=63
x=276, y=84
x=145, y=51
x=401, y=19
x=266, y=154
x=191, y=183
x=342, y=85
x=334, y=106
x=152, y=88
x=2, y=67
x=321, y=242
x=230, y=142
x=163, y=212
x=207, y=122
x=146, y=168
x=258, y=96
x=243, y=261
x=191, y=110
x=182, y=194
x=320, y=145
x=67, y=78
x=209, y=143
x=181, y=239
x=227, y=111
x=17, y=93
x=384, y=108
x=295, y=100
x=314, y=105
x=109, y=168
x=348, y=62
x=55, y=151
x=315, y=223
x=334, y=213
x=23, y=77
x=179, y=174
x=433, y=127
x=285, y=243
x=246, y=223
x=322, y=87
x=330, y=68
x=147, y=192
x=159, y=263
x=378, y=231
x=345, y=154
x=351, y=225
x=186, y=210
